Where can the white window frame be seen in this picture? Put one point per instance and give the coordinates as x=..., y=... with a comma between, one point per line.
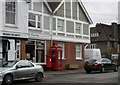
x=93, y=46
x=60, y=25
x=78, y=27
x=94, y=34
x=13, y=11
x=36, y=21
x=39, y=21
x=79, y=51
x=18, y=49
x=63, y=51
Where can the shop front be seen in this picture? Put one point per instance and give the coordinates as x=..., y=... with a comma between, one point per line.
x=10, y=49
x=35, y=51
x=11, y=45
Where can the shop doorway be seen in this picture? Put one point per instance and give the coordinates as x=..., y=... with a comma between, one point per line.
x=30, y=50
x=11, y=49
x=5, y=48
x=35, y=51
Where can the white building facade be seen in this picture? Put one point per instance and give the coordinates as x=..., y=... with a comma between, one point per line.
x=29, y=27
x=13, y=28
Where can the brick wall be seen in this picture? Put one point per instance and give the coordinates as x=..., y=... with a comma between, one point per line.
x=70, y=54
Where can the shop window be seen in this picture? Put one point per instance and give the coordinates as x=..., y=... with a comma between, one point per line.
x=35, y=51
x=17, y=49
x=40, y=51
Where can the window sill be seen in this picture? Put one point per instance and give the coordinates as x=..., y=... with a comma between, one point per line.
x=61, y=32
x=79, y=59
x=10, y=25
x=63, y=58
x=32, y=28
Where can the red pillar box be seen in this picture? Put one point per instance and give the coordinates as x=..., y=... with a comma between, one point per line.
x=48, y=61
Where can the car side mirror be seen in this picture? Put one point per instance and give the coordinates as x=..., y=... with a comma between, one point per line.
x=17, y=67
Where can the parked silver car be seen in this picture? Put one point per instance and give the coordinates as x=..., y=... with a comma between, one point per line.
x=19, y=70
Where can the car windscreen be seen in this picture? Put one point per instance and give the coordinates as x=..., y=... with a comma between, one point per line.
x=9, y=63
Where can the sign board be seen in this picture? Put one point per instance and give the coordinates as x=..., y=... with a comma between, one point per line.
x=14, y=34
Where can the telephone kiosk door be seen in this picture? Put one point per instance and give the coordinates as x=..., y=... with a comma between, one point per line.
x=56, y=57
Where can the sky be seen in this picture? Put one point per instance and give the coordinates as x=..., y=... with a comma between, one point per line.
x=102, y=11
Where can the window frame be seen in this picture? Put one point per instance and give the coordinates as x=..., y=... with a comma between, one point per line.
x=22, y=64
x=79, y=51
x=36, y=21
x=63, y=49
x=60, y=25
x=92, y=46
x=12, y=11
x=78, y=28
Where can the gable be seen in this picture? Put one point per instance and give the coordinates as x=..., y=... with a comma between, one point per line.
x=74, y=10
x=82, y=15
x=53, y=5
x=46, y=10
x=60, y=11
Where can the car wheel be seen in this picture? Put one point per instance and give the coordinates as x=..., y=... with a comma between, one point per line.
x=7, y=80
x=103, y=69
x=116, y=68
x=39, y=77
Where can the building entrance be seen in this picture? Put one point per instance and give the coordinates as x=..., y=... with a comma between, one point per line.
x=35, y=51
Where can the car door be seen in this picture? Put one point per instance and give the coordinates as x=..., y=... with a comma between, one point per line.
x=22, y=70
x=105, y=63
x=32, y=70
x=111, y=65
x=108, y=64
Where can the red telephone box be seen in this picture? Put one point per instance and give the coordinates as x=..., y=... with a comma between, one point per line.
x=54, y=60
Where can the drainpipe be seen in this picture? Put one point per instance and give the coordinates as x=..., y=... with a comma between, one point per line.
x=51, y=25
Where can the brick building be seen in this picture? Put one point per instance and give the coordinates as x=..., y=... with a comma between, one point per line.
x=106, y=37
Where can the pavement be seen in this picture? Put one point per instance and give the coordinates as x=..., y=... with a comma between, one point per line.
x=50, y=73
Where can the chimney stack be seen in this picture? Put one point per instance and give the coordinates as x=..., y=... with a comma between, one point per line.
x=115, y=30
